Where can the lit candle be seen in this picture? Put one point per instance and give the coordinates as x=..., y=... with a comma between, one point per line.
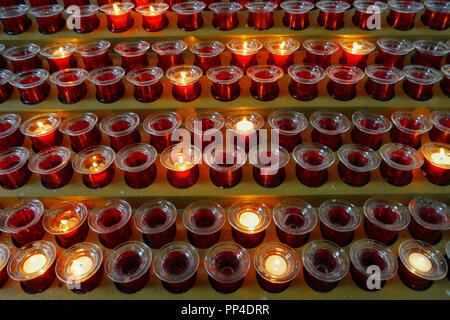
x=34, y=263
x=436, y=167
x=245, y=126
x=59, y=57
x=185, y=84
x=249, y=220
x=243, y=52
x=441, y=157
x=81, y=266
x=281, y=52
x=43, y=131
x=118, y=16
x=276, y=265
x=154, y=16
x=356, y=53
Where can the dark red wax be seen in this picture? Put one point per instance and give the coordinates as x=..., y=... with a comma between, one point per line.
x=153, y=219
x=294, y=218
x=341, y=217
x=91, y=138
x=109, y=218
x=119, y=23
x=248, y=240
x=410, y=139
x=324, y=261
x=128, y=262
x=110, y=93
x=419, y=232
x=56, y=179
x=260, y=20
x=271, y=286
x=369, y=257
x=390, y=60
x=14, y=139
x=436, y=20
x=411, y=280
x=99, y=180
x=16, y=25
x=186, y=93
x=35, y=94
x=183, y=179
x=401, y=20
x=226, y=262
x=154, y=23
x=40, y=283
x=97, y=61
x=331, y=20
x=75, y=236
x=32, y=233
x=190, y=22
x=370, y=140
x=203, y=218
x=436, y=175
x=167, y=61
x=395, y=176
x=51, y=24
x=296, y=21
x=17, y=178
x=386, y=216
x=139, y=179
x=176, y=263
x=341, y=91
x=225, y=21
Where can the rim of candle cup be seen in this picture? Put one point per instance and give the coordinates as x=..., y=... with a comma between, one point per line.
x=431, y=47
x=189, y=7
x=95, y=75
x=398, y=116
x=447, y=249
x=348, y=45
x=258, y=156
x=346, y=151
x=234, y=275
x=255, y=206
x=5, y=254
x=329, y=45
x=261, y=6
x=119, y=276
x=13, y=11
x=169, y=47
x=216, y=48
x=308, y=213
x=120, y=205
x=216, y=117
x=14, y=121
x=82, y=11
x=139, y=217
x=353, y=211
x=395, y=46
x=401, y=211
x=194, y=153
x=134, y=76
x=342, y=262
x=132, y=48
x=291, y=45
x=78, y=161
x=278, y=249
x=239, y=159
x=148, y=150
x=32, y=204
x=46, y=10
x=215, y=208
x=18, y=80
x=177, y=246
x=41, y=247
x=438, y=264
x=296, y=6
x=405, y=6
x=393, y=149
x=439, y=6
x=173, y=73
x=52, y=214
x=365, y=5
x=92, y=48
x=66, y=124
x=214, y=72
x=158, y=8
x=106, y=125
x=21, y=152
x=232, y=119
x=445, y=69
x=435, y=117
x=109, y=9
x=359, y=247
x=236, y=45
x=65, y=78
x=383, y=122
x=275, y=72
x=428, y=148
x=173, y=117
x=343, y=122
x=53, y=118
x=225, y=7
x=440, y=208
x=300, y=155
x=79, y=250
x=314, y=70
x=382, y=74
x=34, y=165
x=333, y=6
x=296, y=117
x=333, y=72
x=21, y=52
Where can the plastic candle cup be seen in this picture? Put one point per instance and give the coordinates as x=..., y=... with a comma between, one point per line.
x=440, y=131
x=23, y=57
x=409, y=127
x=84, y=19
x=436, y=167
x=156, y=221
x=264, y=81
x=49, y=18
x=445, y=83
x=133, y=54
x=324, y=265
x=129, y=266
x=268, y=165
x=185, y=82
x=437, y=15
x=294, y=219
x=243, y=52
x=392, y=52
x=95, y=54
x=138, y=163
x=205, y=127
x=429, y=53
x=419, y=265
x=118, y=15
x=225, y=82
x=296, y=14
x=356, y=52
x=260, y=14
x=169, y=53
x=225, y=15
x=189, y=15
x=71, y=84
x=403, y=13
x=14, y=172
x=331, y=14
x=95, y=164
x=364, y=254
x=381, y=80
x=343, y=81
x=384, y=219
x=4, y=259
x=108, y=83
x=356, y=163
x=154, y=16
x=43, y=131
x=161, y=126
x=82, y=131
x=147, y=84
x=10, y=135
x=244, y=127
x=281, y=52
x=419, y=81
x=227, y=264
x=319, y=52
x=14, y=19
x=369, y=128
x=289, y=126
x=121, y=129
x=328, y=128
x=249, y=221
x=304, y=81
x=363, y=12
x=33, y=265
x=32, y=85
x=207, y=54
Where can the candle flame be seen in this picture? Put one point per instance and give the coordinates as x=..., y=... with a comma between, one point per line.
x=249, y=220
x=244, y=47
x=283, y=45
x=356, y=47
x=151, y=9
x=441, y=157
x=40, y=124
x=116, y=8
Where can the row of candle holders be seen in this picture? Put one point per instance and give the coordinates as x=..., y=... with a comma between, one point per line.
x=227, y=263
x=84, y=19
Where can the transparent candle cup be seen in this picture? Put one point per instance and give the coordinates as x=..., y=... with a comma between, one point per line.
x=59, y=57
x=441, y=126
x=95, y=54
x=281, y=52
x=392, y=52
x=147, y=84
x=369, y=128
x=296, y=14
x=304, y=81
x=84, y=19
x=436, y=167
x=381, y=80
x=14, y=172
x=185, y=82
x=205, y=127
x=319, y=52
x=108, y=83
x=364, y=10
x=162, y=126
x=343, y=81
x=32, y=85
x=445, y=83
x=43, y=131
x=6, y=89
x=133, y=54
x=269, y=164
x=331, y=14
x=244, y=127
x=409, y=128
x=264, y=81
x=289, y=126
x=225, y=15
x=244, y=52
x=49, y=18
x=14, y=19
x=118, y=16
x=189, y=15
x=402, y=14
x=122, y=129
x=355, y=52
x=82, y=131
x=429, y=53
x=169, y=53
x=436, y=15
x=23, y=57
x=328, y=128
x=225, y=82
x=71, y=84
x=4, y=259
x=10, y=135
x=207, y=54
x=154, y=17
x=260, y=14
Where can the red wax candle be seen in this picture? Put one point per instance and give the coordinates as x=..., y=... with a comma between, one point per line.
x=429, y=53
x=441, y=126
x=264, y=81
x=381, y=81
x=14, y=18
x=243, y=52
x=129, y=266
x=225, y=82
x=244, y=127
x=121, y=129
x=10, y=135
x=82, y=131
x=356, y=53
x=24, y=57
x=32, y=84
x=364, y=10
x=95, y=54
x=14, y=172
x=96, y=166
x=295, y=219
x=156, y=221
x=146, y=82
x=343, y=81
x=331, y=14
x=392, y=52
x=304, y=81
x=207, y=54
x=170, y=53
x=185, y=82
x=313, y=161
x=108, y=83
x=225, y=15
x=369, y=128
x=324, y=264
x=445, y=83
x=154, y=16
x=4, y=259
x=49, y=18
x=319, y=52
x=43, y=131
x=437, y=15
x=296, y=14
x=260, y=14
x=71, y=84
x=133, y=54
x=281, y=52
x=6, y=88
x=205, y=127
x=162, y=127
x=409, y=127
x=289, y=126
x=328, y=128
x=268, y=165
x=118, y=16
x=436, y=167
x=403, y=13
x=189, y=15
x=83, y=18
x=3, y=62
x=384, y=219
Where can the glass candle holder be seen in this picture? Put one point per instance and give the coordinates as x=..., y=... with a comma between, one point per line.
x=33, y=265
x=118, y=16
x=281, y=52
x=409, y=127
x=289, y=126
x=296, y=14
x=162, y=127
x=71, y=84
x=154, y=17
x=343, y=81
x=129, y=266
x=437, y=15
x=363, y=12
x=23, y=57
x=355, y=52
x=399, y=163
x=268, y=165
x=108, y=83
x=429, y=53
x=304, y=81
x=384, y=219
x=4, y=259
x=147, y=84
x=43, y=131
x=331, y=14
x=95, y=164
x=169, y=53
x=392, y=52
x=441, y=126
x=260, y=14
x=189, y=15
x=436, y=167
x=249, y=221
x=207, y=54
x=95, y=54
x=264, y=81
x=156, y=221
x=23, y=220
x=138, y=163
x=225, y=15
x=14, y=172
x=369, y=128
x=205, y=127
x=381, y=81
x=338, y=221
x=403, y=13
x=185, y=82
x=294, y=219
x=59, y=57
x=324, y=265
x=32, y=85
x=225, y=162
x=365, y=254
x=49, y=18
x=319, y=52
x=14, y=19
x=225, y=82
x=83, y=19
x=276, y=266
x=244, y=127
x=328, y=128
x=10, y=135
x=243, y=52
x=445, y=83
x=419, y=265
x=121, y=129
x=227, y=264
x=82, y=131
x=133, y=54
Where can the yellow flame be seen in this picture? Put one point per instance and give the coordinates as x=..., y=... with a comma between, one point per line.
x=151, y=9
x=283, y=45
x=40, y=124
x=116, y=8
x=441, y=158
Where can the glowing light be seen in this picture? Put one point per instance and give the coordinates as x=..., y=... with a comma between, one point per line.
x=275, y=265
x=245, y=125
x=116, y=9
x=81, y=266
x=441, y=157
x=249, y=220
x=420, y=262
x=34, y=263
